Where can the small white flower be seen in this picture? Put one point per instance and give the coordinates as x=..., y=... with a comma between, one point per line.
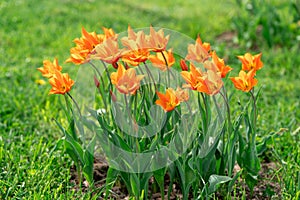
x=101, y=111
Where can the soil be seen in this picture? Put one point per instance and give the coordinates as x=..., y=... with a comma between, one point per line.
x=266, y=188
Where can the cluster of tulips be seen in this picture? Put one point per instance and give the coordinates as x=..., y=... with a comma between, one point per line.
x=127, y=63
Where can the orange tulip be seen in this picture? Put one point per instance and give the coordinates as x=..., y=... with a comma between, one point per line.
x=250, y=62
x=135, y=57
x=61, y=83
x=245, y=81
x=205, y=45
x=131, y=34
x=163, y=60
x=157, y=41
x=84, y=46
x=135, y=41
x=126, y=81
x=49, y=69
x=108, y=51
x=193, y=78
x=220, y=64
x=212, y=83
x=198, y=52
x=167, y=101
x=108, y=32
x=209, y=82
x=138, y=50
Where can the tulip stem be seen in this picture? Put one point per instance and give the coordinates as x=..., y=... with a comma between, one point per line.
x=98, y=72
x=206, y=110
x=74, y=101
x=228, y=108
x=150, y=75
x=254, y=113
x=169, y=77
x=107, y=73
x=102, y=81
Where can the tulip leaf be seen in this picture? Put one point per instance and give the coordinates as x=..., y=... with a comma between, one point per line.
x=232, y=182
x=215, y=181
x=135, y=185
x=111, y=177
x=88, y=157
x=159, y=176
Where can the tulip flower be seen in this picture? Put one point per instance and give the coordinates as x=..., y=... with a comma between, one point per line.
x=108, y=51
x=167, y=101
x=157, y=41
x=220, y=64
x=250, y=62
x=126, y=80
x=163, y=60
x=245, y=81
x=209, y=82
x=49, y=68
x=85, y=45
x=61, y=83
x=198, y=52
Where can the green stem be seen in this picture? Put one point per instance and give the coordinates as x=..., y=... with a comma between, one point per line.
x=206, y=108
x=255, y=114
x=75, y=103
x=129, y=119
x=107, y=73
x=97, y=70
x=227, y=108
x=150, y=75
x=102, y=86
x=68, y=107
x=226, y=151
x=167, y=64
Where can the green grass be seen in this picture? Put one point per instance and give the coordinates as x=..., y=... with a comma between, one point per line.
x=31, y=31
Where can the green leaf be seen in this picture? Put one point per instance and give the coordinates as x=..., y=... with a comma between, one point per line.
x=63, y=130
x=159, y=176
x=211, y=140
x=190, y=178
x=135, y=184
x=111, y=177
x=73, y=148
x=251, y=181
x=72, y=129
x=88, y=165
x=215, y=181
x=75, y=151
x=126, y=179
x=231, y=183
x=145, y=181
x=251, y=160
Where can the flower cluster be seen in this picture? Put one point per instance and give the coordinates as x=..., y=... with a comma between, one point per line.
x=210, y=81
x=138, y=48
x=250, y=64
x=134, y=127
x=61, y=82
x=86, y=44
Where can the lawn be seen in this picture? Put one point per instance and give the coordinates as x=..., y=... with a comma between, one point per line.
x=33, y=167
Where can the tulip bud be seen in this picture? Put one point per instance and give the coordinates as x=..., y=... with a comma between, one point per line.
x=115, y=65
x=183, y=65
x=113, y=96
x=96, y=81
